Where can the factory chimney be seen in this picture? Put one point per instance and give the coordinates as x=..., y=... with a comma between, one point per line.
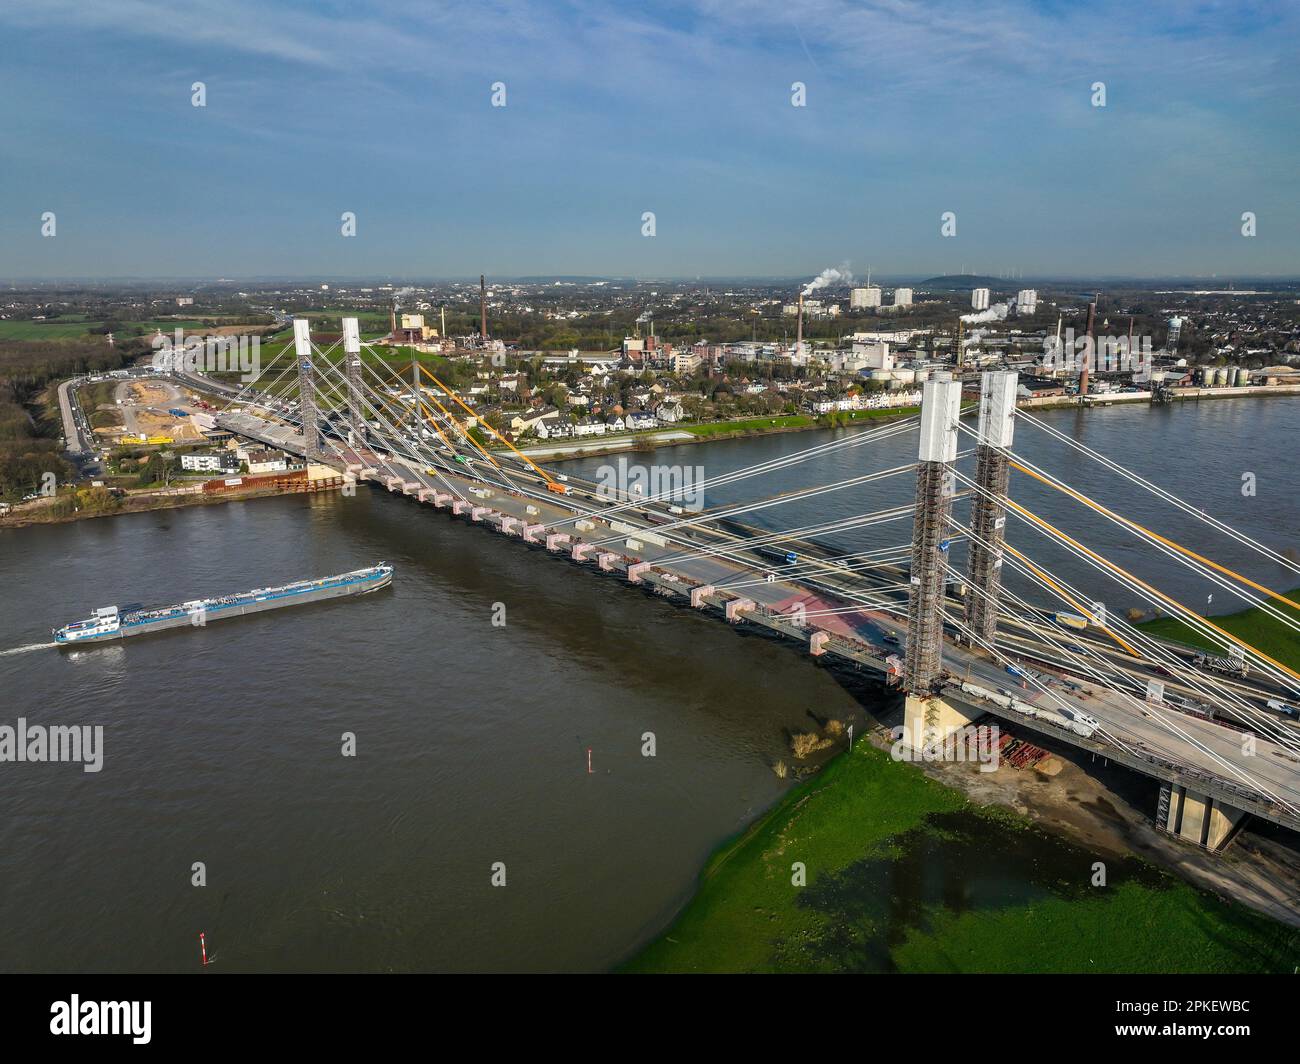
x=798, y=336
x=392, y=319
x=482, y=306
x=1092, y=346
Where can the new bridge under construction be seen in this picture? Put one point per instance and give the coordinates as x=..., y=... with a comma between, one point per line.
x=959, y=641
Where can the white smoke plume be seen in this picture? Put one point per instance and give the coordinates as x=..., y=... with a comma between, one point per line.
x=997, y=312
x=829, y=276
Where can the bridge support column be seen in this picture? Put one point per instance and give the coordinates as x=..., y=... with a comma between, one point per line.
x=928, y=720
x=698, y=593
x=508, y=523
x=606, y=561
x=1197, y=818
x=306, y=389
x=556, y=540
x=352, y=353
x=460, y=506
x=988, y=514
x=441, y=499
x=580, y=551
x=817, y=643
x=530, y=532
x=392, y=483
x=735, y=608
x=635, y=570
x=477, y=513
x=426, y=494
x=940, y=409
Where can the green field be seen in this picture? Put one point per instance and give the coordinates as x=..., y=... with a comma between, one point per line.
x=1251, y=625
x=903, y=874
x=43, y=330
x=74, y=326
x=753, y=424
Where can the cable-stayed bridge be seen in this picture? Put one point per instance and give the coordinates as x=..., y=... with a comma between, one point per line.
x=959, y=641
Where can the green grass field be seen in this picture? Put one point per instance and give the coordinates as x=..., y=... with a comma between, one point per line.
x=74, y=326
x=1252, y=625
x=753, y=424
x=903, y=874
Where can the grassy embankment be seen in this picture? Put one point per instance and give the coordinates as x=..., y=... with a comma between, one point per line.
x=1002, y=896
x=1252, y=625
x=903, y=874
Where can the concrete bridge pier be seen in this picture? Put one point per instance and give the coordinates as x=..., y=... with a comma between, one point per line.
x=735, y=608
x=929, y=719
x=698, y=593
x=1196, y=818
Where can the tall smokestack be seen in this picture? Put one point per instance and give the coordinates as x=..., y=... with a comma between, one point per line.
x=1092, y=346
x=798, y=340
x=482, y=306
x=392, y=318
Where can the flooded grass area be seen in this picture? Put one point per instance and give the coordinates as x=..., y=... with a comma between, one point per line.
x=903, y=874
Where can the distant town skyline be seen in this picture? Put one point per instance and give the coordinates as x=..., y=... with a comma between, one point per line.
x=767, y=139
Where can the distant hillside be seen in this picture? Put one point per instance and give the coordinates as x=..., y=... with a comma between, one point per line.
x=964, y=282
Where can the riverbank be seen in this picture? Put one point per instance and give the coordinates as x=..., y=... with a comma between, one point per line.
x=905, y=873
x=748, y=428
x=1252, y=625
x=865, y=823
x=143, y=502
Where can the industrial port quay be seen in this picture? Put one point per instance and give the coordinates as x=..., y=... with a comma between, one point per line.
x=643, y=542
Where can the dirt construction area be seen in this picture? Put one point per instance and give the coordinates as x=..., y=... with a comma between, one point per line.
x=146, y=411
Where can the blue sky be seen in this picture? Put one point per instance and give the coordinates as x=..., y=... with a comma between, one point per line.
x=684, y=109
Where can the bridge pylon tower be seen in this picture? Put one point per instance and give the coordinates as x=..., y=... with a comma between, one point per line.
x=307, y=388
x=988, y=515
x=935, y=487
x=352, y=367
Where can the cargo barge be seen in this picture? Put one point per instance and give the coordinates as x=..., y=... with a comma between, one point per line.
x=110, y=622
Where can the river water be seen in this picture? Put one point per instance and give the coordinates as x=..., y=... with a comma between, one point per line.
x=224, y=745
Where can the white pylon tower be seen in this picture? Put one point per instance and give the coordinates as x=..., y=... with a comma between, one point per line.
x=988, y=516
x=352, y=367
x=935, y=484
x=306, y=388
